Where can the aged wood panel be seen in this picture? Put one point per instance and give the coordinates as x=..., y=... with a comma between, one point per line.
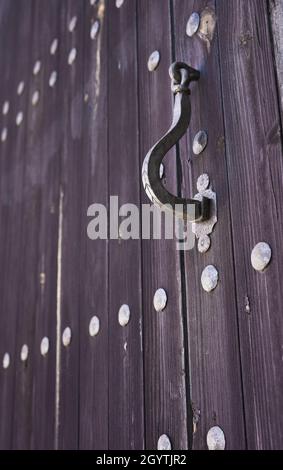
x=11, y=207
x=165, y=374
x=254, y=155
x=68, y=281
x=35, y=381
x=215, y=374
x=93, y=431
x=276, y=17
x=126, y=421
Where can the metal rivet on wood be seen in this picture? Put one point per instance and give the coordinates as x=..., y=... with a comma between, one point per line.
x=203, y=243
x=24, y=352
x=72, y=56
x=19, y=118
x=35, y=98
x=164, y=443
x=20, y=88
x=193, y=24
x=202, y=182
x=215, y=438
x=160, y=300
x=94, y=326
x=52, y=78
x=72, y=24
x=36, y=67
x=124, y=315
x=153, y=61
x=67, y=336
x=261, y=256
x=6, y=360
x=5, y=108
x=44, y=346
x=209, y=278
x=4, y=134
x=119, y=3
x=200, y=142
x=54, y=46
x=94, y=29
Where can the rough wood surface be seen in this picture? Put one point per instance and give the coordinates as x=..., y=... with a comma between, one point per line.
x=276, y=16
x=215, y=374
x=164, y=355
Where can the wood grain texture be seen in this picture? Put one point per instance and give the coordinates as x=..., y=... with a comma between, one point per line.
x=126, y=421
x=276, y=17
x=164, y=357
x=254, y=155
x=215, y=374
x=12, y=167
x=93, y=394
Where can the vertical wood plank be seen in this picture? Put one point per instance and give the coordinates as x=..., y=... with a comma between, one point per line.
x=13, y=34
x=126, y=426
x=215, y=373
x=68, y=282
x=254, y=155
x=93, y=394
x=164, y=358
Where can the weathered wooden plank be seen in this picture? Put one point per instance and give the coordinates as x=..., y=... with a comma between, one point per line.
x=68, y=282
x=164, y=358
x=93, y=396
x=215, y=375
x=42, y=187
x=254, y=155
x=276, y=16
x=126, y=420
x=12, y=34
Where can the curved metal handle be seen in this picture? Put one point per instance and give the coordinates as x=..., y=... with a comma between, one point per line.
x=192, y=209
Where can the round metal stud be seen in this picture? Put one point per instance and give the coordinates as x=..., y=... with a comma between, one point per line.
x=200, y=142
x=160, y=300
x=73, y=24
x=164, y=443
x=193, y=24
x=67, y=336
x=20, y=89
x=153, y=61
x=36, y=67
x=202, y=182
x=203, y=243
x=54, y=46
x=119, y=3
x=35, y=98
x=161, y=171
x=24, y=352
x=94, y=326
x=124, y=315
x=215, y=439
x=44, y=346
x=72, y=56
x=209, y=278
x=261, y=256
x=53, y=78
x=94, y=29
x=6, y=360
x=4, y=134
x=5, y=107
x=19, y=118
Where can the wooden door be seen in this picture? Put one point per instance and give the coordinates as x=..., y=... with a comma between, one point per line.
x=80, y=108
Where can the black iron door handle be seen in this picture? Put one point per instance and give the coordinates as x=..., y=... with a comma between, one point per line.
x=190, y=209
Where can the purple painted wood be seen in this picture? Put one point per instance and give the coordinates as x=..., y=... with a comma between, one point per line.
x=93, y=394
x=125, y=360
x=254, y=154
x=215, y=373
x=165, y=369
